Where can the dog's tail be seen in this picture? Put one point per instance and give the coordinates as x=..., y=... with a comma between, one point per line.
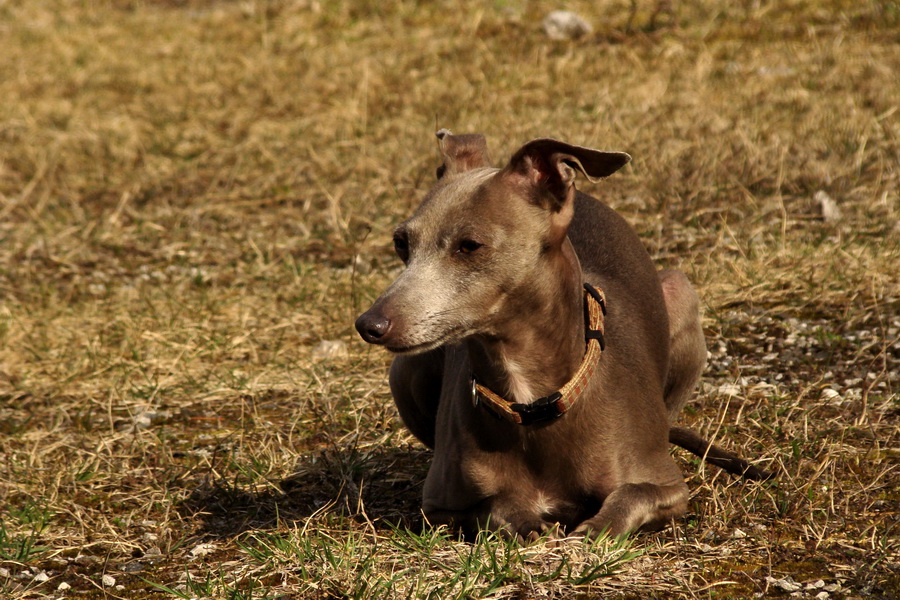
x=714, y=455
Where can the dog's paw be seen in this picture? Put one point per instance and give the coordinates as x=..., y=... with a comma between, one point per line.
x=595, y=529
x=548, y=533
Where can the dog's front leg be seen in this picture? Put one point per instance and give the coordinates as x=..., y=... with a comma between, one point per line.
x=469, y=523
x=636, y=505
x=522, y=527
x=416, y=386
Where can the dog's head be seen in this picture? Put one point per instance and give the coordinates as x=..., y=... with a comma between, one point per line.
x=481, y=241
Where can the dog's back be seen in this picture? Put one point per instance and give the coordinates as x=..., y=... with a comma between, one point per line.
x=613, y=257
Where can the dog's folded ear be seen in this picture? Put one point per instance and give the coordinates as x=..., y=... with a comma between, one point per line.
x=545, y=160
x=461, y=152
x=546, y=168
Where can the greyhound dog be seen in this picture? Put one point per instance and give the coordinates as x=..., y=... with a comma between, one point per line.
x=539, y=352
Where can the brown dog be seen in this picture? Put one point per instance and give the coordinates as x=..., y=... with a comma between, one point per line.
x=541, y=354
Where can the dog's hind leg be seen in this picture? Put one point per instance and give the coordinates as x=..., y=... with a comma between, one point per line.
x=687, y=345
x=416, y=387
x=687, y=358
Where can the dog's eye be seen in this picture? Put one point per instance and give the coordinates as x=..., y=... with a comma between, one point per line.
x=401, y=247
x=468, y=246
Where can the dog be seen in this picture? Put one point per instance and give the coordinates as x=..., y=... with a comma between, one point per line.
x=539, y=353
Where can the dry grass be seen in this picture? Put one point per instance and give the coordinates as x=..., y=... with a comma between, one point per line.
x=185, y=185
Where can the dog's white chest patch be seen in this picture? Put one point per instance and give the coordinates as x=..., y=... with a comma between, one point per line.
x=543, y=506
x=519, y=388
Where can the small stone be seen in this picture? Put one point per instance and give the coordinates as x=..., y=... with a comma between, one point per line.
x=108, y=581
x=143, y=421
x=738, y=534
x=133, y=567
x=566, y=25
x=329, y=350
x=822, y=596
x=831, y=395
x=729, y=389
x=775, y=71
x=201, y=550
x=63, y=587
x=41, y=577
x=786, y=585
x=362, y=267
x=4, y=573
x=827, y=206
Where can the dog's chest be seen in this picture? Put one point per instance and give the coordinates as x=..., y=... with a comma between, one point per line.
x=537, y=486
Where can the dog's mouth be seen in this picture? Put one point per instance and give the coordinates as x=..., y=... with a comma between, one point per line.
x=450, y=337
x=414, y=349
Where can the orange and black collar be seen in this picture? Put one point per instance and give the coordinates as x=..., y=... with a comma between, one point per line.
x=556, y=404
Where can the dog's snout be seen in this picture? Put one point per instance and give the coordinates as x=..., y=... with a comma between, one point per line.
x=373, y=327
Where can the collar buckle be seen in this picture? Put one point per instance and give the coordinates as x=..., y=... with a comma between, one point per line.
x=542, y=409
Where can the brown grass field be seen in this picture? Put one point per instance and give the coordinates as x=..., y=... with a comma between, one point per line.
x=195, y=194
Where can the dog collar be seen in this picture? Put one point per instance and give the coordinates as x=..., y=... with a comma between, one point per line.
x=556, y=404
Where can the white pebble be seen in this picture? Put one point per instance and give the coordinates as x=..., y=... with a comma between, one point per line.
x=786, y=585
x=729, y=389
x=827, y=205
x=566, y=25
x=201, y=550
x=831, y=395
x=329, y=349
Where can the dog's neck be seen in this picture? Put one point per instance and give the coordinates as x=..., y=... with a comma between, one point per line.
x=539, y=347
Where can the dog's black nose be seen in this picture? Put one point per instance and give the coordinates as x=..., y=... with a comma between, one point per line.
x=373, y=327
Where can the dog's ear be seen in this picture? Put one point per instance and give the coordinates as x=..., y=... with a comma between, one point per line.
x=461, y=152
x=546, y=168
x=552, y=164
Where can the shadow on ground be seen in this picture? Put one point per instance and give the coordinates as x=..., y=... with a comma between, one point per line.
x=382, y=487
